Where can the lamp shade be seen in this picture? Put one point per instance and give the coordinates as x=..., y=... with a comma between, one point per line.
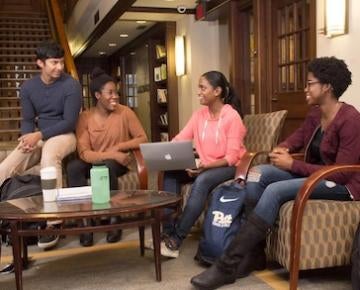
x=179, y=55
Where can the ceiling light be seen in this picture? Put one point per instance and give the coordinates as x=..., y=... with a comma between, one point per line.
x=112, y=44
x=169, y=0
x=140, y=21
x=132, y=53
x=124, y=35
x=102, y=52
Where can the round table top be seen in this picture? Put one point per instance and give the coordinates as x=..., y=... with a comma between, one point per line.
x=121, y=202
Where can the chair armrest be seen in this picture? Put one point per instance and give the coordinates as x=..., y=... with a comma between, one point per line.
x=245, y=163
x=298, y=212
x=141, y=169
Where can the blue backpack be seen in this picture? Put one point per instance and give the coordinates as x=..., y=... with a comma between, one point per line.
x=222, y=222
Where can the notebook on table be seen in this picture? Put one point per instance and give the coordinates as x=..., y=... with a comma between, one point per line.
x=161, y=156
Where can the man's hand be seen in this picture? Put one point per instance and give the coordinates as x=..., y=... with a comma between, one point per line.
x=28, y=142
x=281, y=158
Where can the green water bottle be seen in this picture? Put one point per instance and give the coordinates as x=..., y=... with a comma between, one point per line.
x=100, y=183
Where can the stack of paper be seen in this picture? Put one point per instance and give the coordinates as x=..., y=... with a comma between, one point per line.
x=71, y=193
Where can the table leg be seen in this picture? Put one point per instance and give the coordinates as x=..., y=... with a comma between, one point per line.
x=25, y=257
x=155, y=227
x=15, y=239
x=141, y=238
x=142, y=235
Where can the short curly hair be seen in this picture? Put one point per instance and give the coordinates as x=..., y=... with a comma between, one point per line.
x=333, y=71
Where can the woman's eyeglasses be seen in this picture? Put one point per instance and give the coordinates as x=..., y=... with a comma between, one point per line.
x=309, y=83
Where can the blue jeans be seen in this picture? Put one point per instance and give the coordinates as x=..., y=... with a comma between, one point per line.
x=271, y=187
x=203, y=184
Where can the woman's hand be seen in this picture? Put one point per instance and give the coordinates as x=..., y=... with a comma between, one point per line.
x=122, y=158
x=193, y=172
x=281, y=158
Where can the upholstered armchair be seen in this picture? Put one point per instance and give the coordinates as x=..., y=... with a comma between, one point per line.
x=312, y=234
x=137, y=177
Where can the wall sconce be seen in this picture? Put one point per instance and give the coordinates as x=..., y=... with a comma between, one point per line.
x=179, y=55
x=336, y=17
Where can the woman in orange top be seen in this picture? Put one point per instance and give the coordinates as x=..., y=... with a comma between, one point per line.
x=104, y=133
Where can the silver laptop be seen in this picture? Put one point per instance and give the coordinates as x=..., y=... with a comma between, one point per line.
x=160, y=156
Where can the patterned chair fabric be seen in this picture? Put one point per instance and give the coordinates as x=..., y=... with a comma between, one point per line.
x=130, y=180
x=328, y=230
x=263, y=131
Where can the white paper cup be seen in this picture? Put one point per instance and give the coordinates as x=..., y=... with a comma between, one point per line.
x=48, y=177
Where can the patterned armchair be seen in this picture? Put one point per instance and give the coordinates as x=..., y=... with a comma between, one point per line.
x=263, y=131
x=313, y=234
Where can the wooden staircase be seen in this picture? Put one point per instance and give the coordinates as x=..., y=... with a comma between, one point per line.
x=20, y=33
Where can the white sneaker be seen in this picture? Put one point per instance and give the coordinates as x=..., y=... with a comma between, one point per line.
x=164, y=250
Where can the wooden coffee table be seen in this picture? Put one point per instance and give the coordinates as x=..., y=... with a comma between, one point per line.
x=137, y=208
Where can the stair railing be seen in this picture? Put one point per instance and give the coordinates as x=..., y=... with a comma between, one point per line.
x=55, y=16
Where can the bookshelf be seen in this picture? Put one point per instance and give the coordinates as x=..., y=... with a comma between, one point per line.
x=163, y=83
x=158, y=91
x=147, y=67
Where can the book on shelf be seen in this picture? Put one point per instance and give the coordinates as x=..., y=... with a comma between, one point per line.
x=164, y=119
x=157, y=74
x=164, y=137
x=160, y=73
x=160, y=51
x=163, y=71
x=162, y=95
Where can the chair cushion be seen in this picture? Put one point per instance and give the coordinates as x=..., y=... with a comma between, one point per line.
x=326, y=239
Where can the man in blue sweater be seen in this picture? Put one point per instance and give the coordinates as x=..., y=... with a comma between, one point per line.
x=51, y=103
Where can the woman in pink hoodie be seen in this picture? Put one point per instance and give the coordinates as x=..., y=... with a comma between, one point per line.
x=218, y=133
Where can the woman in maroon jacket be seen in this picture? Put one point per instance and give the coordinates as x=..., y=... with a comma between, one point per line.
x=329, y=135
